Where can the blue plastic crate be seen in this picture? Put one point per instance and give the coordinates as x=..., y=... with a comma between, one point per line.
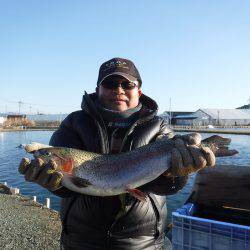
x=193, y=233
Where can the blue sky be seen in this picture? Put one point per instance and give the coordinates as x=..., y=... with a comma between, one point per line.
x=195, y=52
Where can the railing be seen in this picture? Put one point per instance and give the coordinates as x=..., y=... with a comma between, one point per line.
x=34, y=198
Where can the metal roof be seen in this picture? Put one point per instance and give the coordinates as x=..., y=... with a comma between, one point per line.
x=234, y=114
x=186, y=116
x=177, y=113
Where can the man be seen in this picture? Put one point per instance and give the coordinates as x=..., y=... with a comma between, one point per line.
x=117, y=118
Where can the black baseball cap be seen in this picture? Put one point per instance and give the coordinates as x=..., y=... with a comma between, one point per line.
x=119, y=66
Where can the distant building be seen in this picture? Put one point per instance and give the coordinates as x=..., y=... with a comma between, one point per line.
x=2, y=120
x=50, y=117
x=223, y=117
x=171, y=116
x=188, y=120
x=16, y=118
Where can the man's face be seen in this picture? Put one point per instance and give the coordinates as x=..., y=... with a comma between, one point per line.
x=118, y=98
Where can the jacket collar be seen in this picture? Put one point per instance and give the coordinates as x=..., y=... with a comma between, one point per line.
x=148, y=111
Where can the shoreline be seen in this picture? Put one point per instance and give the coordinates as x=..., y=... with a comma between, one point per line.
x=216, y=130
x=213, y=131
x=28, y=129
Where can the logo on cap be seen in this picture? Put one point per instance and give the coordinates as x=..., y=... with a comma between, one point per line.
x=116, y=64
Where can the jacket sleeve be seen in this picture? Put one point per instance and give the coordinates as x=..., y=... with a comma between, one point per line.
x=66, y=136
x=165, y=185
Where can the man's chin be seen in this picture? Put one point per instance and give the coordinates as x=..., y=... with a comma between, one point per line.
x=119, y=107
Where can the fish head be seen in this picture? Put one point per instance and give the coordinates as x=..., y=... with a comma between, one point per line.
x=66, y=162
x=61, y=156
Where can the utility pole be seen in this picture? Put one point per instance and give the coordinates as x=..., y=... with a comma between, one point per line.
x=19, y=106
x=170, y=115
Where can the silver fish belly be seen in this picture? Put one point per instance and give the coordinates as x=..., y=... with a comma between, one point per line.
x=114, y=174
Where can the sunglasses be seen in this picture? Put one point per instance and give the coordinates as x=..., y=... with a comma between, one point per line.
x=112, y=84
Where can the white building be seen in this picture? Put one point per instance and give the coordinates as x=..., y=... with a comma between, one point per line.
x=43, y=117
x=2, y=120
x=221, y=117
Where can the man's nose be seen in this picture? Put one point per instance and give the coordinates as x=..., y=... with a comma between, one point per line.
x=119, y=89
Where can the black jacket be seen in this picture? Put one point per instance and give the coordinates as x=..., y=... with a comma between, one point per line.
x=88, y=221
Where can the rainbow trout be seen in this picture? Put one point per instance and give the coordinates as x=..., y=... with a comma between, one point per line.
x=106, y=175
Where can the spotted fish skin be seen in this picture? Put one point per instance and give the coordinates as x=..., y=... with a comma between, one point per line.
x=106, y=175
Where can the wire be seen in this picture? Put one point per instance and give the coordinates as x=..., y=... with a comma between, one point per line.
x=36, y=104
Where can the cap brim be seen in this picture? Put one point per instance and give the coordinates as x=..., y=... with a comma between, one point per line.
x=127, y=76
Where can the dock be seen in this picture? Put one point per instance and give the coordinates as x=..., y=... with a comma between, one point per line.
x=26, y=224
x=237, y=130
x=217, y=130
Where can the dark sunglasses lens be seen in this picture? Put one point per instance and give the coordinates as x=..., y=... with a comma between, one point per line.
x=110, y=84
x=128, y=85
x=115, y=85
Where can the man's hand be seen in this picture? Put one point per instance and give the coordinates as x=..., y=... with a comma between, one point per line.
x=39, y=172
x=188, y=156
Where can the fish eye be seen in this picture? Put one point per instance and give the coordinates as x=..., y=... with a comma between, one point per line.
x=46, y=153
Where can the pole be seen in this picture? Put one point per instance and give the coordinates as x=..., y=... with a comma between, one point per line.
x=19, y=106
x=47, y=202
x=170, y=115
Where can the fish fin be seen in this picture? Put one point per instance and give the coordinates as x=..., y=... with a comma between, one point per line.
x=137, y=194
x=79, y=182
x=68, y=166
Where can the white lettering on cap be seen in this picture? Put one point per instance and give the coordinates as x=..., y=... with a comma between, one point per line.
x=117, y=63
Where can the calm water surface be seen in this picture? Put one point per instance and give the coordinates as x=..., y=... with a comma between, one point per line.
x=10, y=157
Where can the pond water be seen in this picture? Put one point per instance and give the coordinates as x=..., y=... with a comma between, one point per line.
x=10, y=157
